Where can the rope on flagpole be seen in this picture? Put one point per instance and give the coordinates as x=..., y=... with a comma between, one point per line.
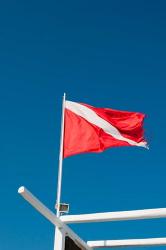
x=59, y=185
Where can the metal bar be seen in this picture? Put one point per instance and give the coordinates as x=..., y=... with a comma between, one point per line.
x=28, y=196
x=52, y=217
x=128, y=243
x=116, y=216
x=59, y=237
x=59, y=186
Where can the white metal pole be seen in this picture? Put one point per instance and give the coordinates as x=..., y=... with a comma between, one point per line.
x=60, y=158
x=128, y=243
x=116, y=216
x=59, y=239
x=63, y=228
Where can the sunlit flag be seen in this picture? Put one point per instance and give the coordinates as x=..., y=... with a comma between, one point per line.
x=91, y=129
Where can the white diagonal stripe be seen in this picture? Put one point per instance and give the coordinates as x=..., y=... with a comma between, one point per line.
x=93, y=118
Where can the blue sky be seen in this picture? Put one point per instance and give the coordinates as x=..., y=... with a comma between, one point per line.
x=105, y=53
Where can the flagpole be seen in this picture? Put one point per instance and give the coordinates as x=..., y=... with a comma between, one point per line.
x=59, y=185
x=59, y=239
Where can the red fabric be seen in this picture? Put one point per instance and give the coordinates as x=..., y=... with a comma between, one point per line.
x=81, y=136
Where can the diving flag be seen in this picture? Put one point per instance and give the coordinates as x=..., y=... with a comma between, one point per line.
x=91, y=129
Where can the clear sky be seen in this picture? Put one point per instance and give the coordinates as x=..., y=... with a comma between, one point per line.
x=104, y=53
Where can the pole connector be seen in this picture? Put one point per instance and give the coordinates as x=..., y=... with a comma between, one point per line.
x=62, y=207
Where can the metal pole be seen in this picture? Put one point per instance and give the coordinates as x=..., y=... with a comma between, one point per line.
x=128, y=243
x=116, y=216
x=60, y=158
x=49, y=215
x=59, y=240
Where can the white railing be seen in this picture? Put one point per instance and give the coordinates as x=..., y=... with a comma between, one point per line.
x=52, y=217
x=128, y=243
x=64, y=230
x=116, y=216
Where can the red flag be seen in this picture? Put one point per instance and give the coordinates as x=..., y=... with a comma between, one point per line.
x=90, y=129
